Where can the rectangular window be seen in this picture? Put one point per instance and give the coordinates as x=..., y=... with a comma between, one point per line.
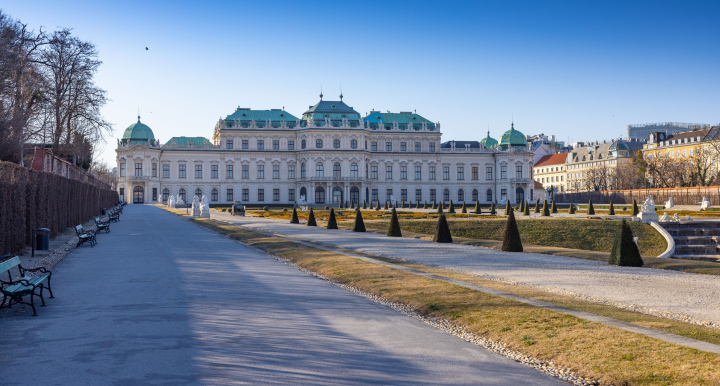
x=446, y=195
x=461, y=173
x=433, y=195
x=276, y=194
x=291, y=172
x=474, y=172
x=261, y=194
x=261, y=172
x=403, y=172
x=432, y=173
x=488, y=172
x=446, y=172
x=418, y=147
x=138, y=169
x=374, y=196
x=503, y=194
x=229, y=195
x=276, y=146
x=303, y=171
x=373, y=146
x=213, y=171
x=291, y=194
x=181, y=171
x=388, y=146
x=122, y=193
x=503, y=172
x=260, y=144
x=418, y=194
x=154, y=170
x=432, y=147
x=276, y=172
x=245, y=172
x=518, y=171
x=418, y=172
x=388, y=172
x=403, y=195
x=229, y=144
x=246, y=194
x=373, y=172
x=291, y=146
x=154, y=193
x=388, y=194
x=122, y=170
x=198, y=171
x=166, y=171
x=245, y=146
x=403, y=146
x=229, y=172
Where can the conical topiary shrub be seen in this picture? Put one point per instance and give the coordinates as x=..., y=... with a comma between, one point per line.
x=394, y=228
x=434, y=205
x=545, y=210
x=590, y=210
x=359, y=225
x=425, y=206
x=442, y=231
x=537, y=206
x=364, y=204
x=507, y=208
x=463, y=209
x=332, y=222
x=440, y=208
x=294, y=219
x=572, y=208
x=477, y=207
x=553, y=209
x=493, y=210
x=625, y=252
x=378, y=205
x=611, y=212
x=635, y=208
x=511, y=240
x=386, y=205
x=451, y=208
x=526, y=212
x=311, y=219
x=418, y=205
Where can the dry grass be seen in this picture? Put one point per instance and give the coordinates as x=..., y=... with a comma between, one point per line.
x=593, y=350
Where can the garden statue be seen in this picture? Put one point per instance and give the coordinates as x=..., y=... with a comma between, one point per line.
x=669, y=203
x=204, y=208
x=676, y=218
x=664, y=217
x=647, y=212
x=704, y=204
x=196, y=207
x=171, y=202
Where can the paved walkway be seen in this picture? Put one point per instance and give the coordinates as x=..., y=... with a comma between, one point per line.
x=659, y=292
x=162, y=301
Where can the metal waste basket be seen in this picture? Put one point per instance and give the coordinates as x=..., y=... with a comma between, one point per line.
x=103, y=212
x=42, y=239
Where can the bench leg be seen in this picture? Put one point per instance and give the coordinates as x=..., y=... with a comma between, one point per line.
x=48, y=287
x=32, y=303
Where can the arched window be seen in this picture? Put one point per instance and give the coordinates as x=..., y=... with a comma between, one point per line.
x=214, y=195
x=198, y=193
x=181, y=194
x=303, y=144
x=354, y=194
x=336, y=170
x=165, y=194
x=319, y=195
x=303, y=171
x=303, y=193
x=353, y=170
x=519, y=195
x=461, y=195
x=319, y=170
x=336, y=143
x=353, y=143
x=446, y=195
x=475, y=195
x=488, y=196
x=318, y=143
x=337, y=195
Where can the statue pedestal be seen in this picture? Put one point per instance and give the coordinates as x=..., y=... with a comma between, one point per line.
x=196, y=212
x=205, y=214
x=646, y=217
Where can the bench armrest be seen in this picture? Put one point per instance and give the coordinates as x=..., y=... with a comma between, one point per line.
x=24, y=282
x=41, y=269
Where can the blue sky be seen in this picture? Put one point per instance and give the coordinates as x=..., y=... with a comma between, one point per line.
x=580, y=70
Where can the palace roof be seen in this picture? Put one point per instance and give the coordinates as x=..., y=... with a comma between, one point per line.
x=552, y=159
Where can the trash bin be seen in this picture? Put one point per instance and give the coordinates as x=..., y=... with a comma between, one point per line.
x=42, y=239
x=103, y=212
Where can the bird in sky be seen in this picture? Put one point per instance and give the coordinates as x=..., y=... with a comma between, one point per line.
x=146, y=48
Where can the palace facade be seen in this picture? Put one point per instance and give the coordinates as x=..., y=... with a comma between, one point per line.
x=330, y=154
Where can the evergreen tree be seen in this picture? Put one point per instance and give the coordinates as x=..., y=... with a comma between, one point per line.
x=492, y=209
x=522, y=206
x=537, y=206
x=463, y=209
x=590, y=210
x=359, y=225
x=386, y=205
x=572, y=208
x=311, y=219
x=635, y=208
x=554, y=207
x=332, y=222
x=625, y=252
x=394, y=228
x=294, y=219
x=511, y=239
x=545, y=210
x=526, y=212
x=418, y=205
x=364, y=204
x=507, y=208
x=442, y=231
x=451, y=208
x=477, y=207
x=440, y=208
x=378, y=205
x=425, y=206
x=434, y=205
x=612, y=209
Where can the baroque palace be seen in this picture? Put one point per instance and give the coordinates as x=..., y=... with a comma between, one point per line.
x=329, y=155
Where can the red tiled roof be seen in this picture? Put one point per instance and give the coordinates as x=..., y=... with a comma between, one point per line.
x=538, y=185
x=553, y=159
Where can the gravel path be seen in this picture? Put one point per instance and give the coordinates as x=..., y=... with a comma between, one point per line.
x=684, y=296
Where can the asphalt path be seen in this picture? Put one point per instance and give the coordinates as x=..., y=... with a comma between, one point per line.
x=160, y=300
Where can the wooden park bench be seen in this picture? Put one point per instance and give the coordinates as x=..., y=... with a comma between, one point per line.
x=84, y=236
x=102, y=225
x=15, y=290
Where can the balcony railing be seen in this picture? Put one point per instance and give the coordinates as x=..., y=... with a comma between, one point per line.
x=520, y=180
x=139, y=178
x=339, y=179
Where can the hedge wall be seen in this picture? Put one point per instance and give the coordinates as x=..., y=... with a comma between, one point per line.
x=30, y=199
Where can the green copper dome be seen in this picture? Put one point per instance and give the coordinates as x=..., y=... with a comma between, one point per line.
x=513, y=139
x=489, y=142
x=138, y=133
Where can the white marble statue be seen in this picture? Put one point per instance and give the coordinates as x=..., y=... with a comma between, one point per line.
x=301, y=201
x=196, y=206
x=647, y=211
x=664, y=217
x=676, y=218
x=392, y=200
x=171, y=202
x=704, y=204
x=179, y=202
x=687, y=218
x=648, y=205
x=669, y=203
x=204, y=208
